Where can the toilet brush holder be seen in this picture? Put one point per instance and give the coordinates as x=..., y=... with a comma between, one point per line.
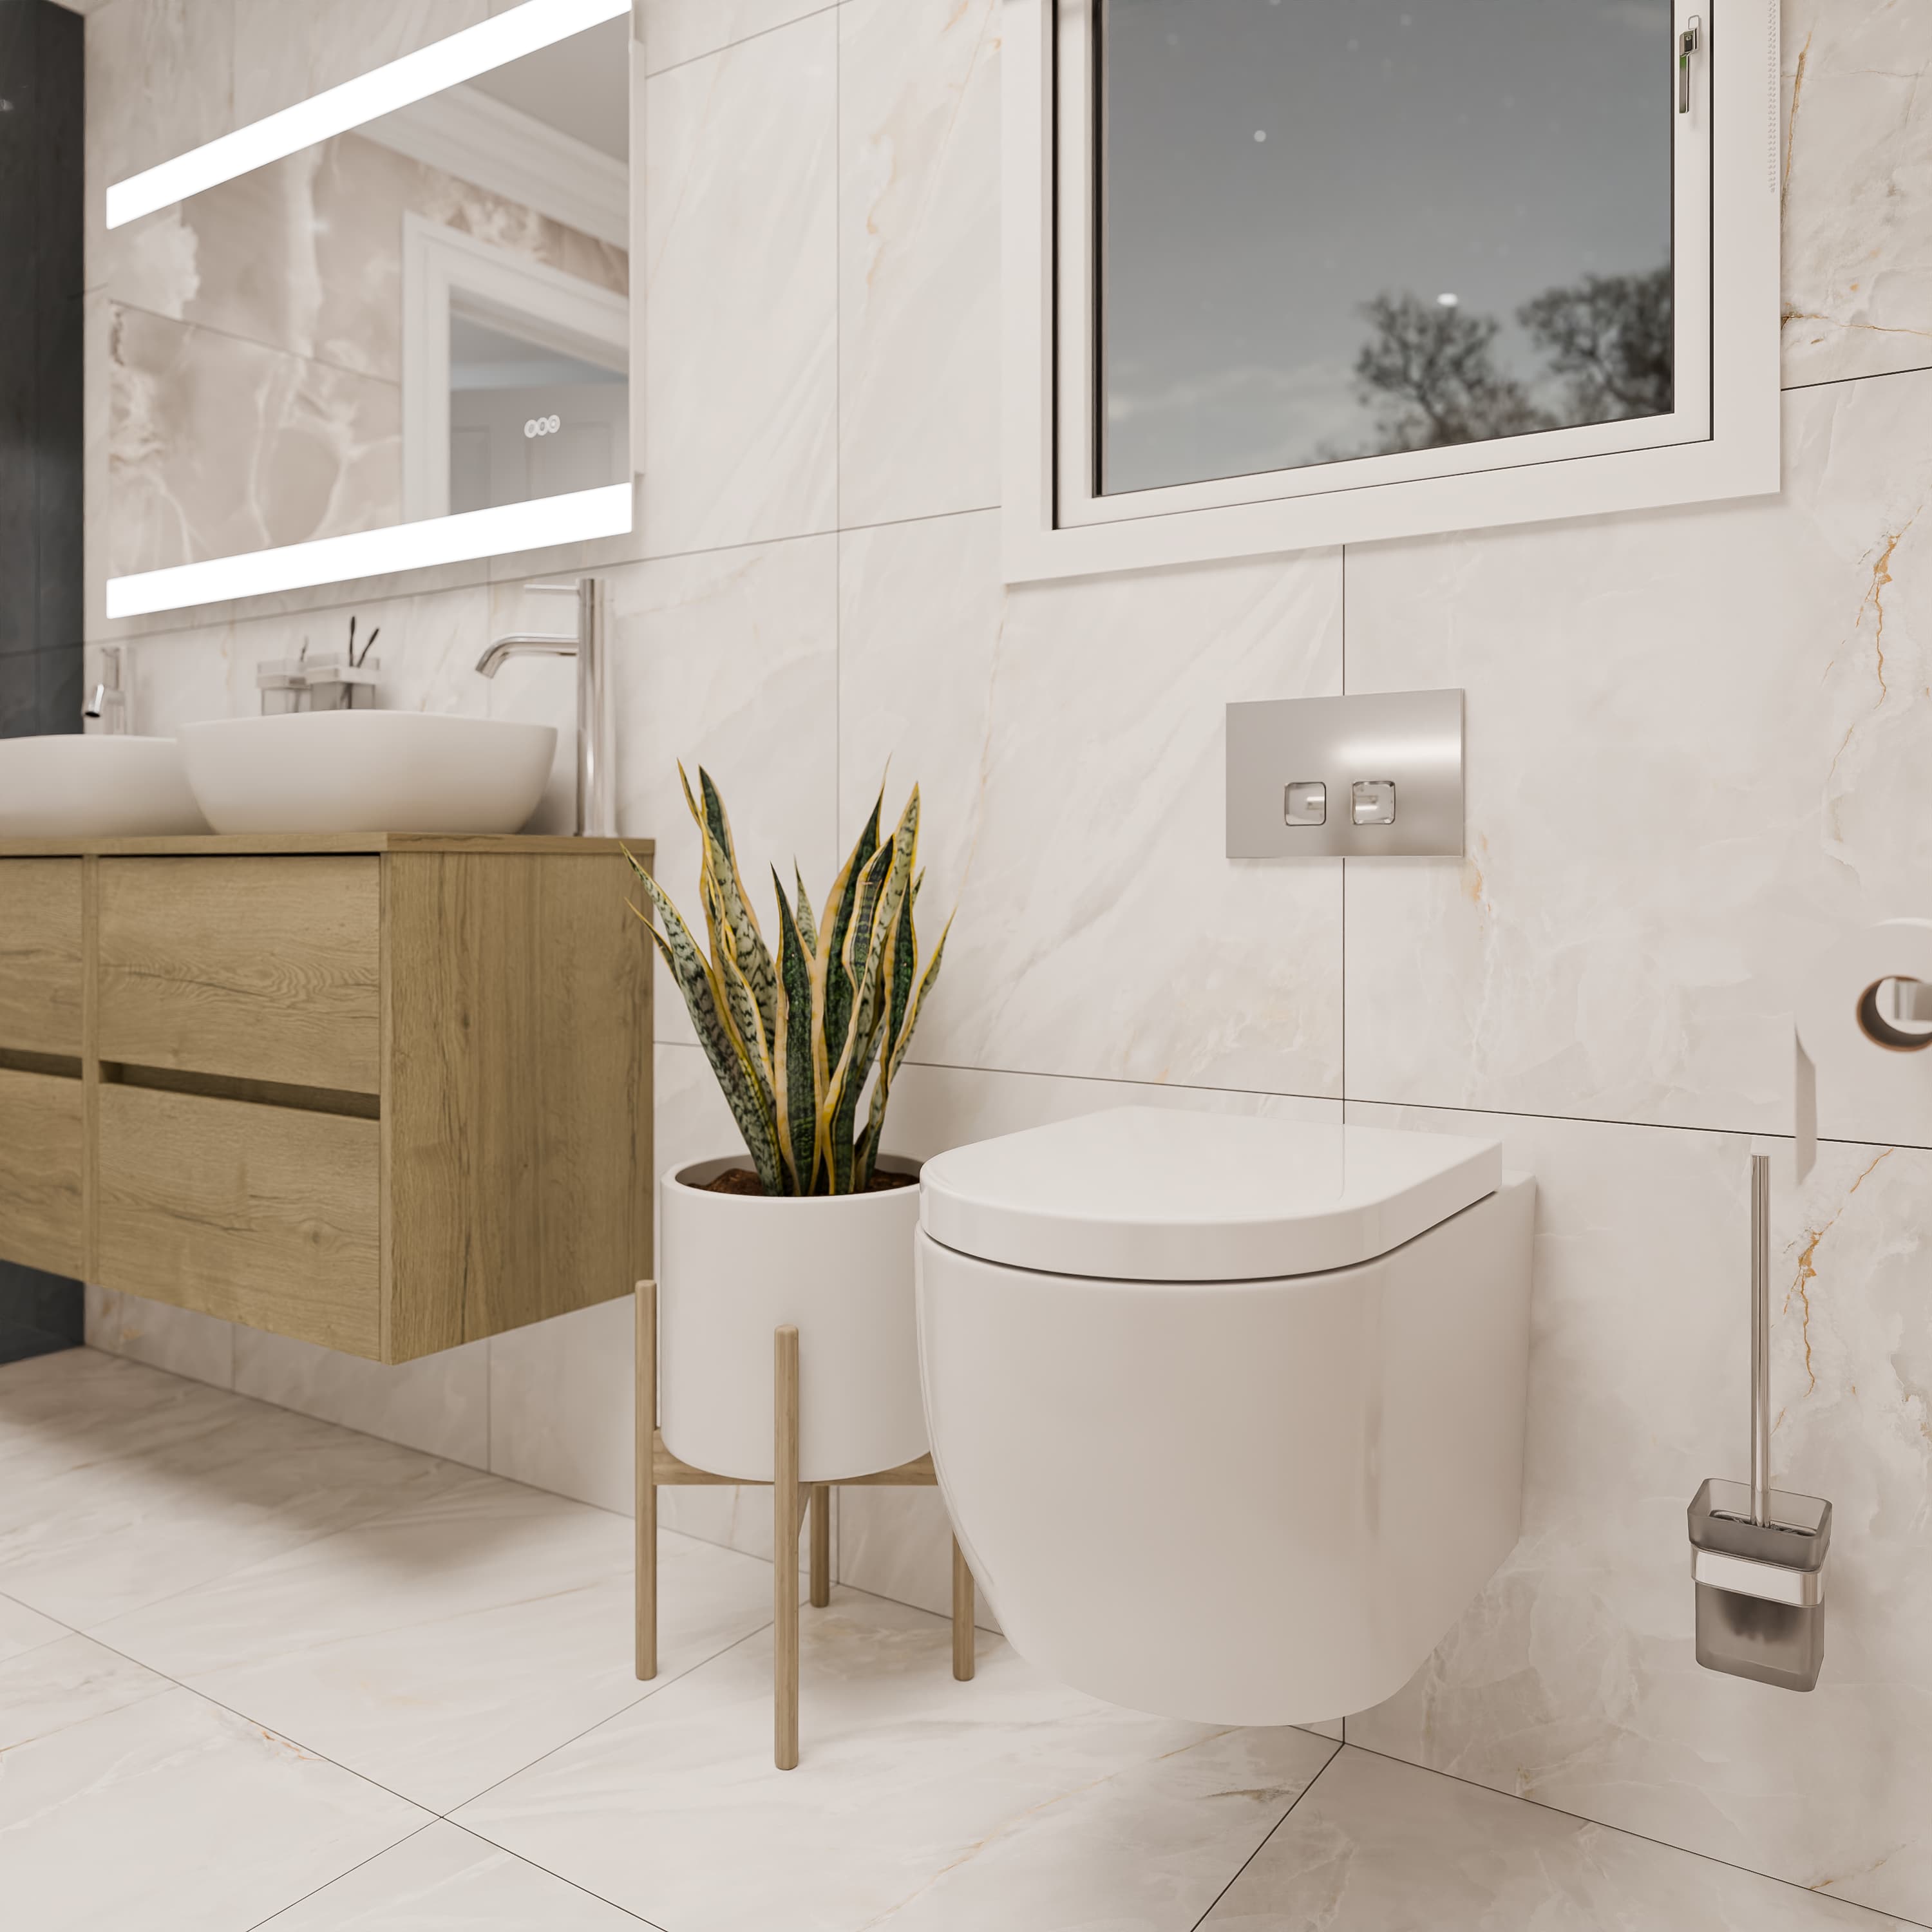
x=1757, y=1554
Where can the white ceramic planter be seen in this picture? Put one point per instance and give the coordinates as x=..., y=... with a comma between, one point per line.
x=733, y=1268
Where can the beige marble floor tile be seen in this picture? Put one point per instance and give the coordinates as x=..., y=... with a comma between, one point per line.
x=918, y=1802
x=451, y=1643
x=444, y=1880
x=1380, y=1847
x=22, y=1629
x=128, y=1485
x=126, y=1803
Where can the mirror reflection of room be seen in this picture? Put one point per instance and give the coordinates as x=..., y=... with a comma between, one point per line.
x=424, y=316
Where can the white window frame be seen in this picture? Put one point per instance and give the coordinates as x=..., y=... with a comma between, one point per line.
x=1720, y=441
x=444, y=269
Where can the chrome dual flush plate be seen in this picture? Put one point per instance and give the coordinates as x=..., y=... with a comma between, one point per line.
x=1379, y=775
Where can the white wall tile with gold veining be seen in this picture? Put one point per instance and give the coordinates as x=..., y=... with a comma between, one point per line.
x=1857, y=164
x=676, y=31
x=1696, y=741
x=742, y=285
x=283, y=54
x=439, y=1403
x=180, y=1340
x=919, y=259
x=1079, y=727
x=730, y=660
x=1571, y=1679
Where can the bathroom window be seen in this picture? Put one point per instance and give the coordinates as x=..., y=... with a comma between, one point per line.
x=1284, y=273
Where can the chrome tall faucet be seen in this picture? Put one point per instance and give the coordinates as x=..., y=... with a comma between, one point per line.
x=109, y=701
x=596, y=804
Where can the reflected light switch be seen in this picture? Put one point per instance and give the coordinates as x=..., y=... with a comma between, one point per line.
x=1306, y=804
x=1373, y=801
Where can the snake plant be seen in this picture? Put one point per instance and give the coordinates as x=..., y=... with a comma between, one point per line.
x=793, y=1038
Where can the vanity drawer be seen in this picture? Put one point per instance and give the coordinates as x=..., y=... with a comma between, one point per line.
x=42, y=1141
x=264, y=969
x=266, y=1215
x=40, y=955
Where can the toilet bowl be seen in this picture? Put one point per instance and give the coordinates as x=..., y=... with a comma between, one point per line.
x=1229, y=1411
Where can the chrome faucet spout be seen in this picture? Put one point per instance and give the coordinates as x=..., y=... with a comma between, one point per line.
x=596, y=810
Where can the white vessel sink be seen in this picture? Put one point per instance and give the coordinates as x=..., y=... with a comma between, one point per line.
x=73, y=786
x=368, y=771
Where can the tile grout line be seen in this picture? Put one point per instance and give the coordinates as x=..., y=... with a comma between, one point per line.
x=1662, y=1844
x=1214, y=1903
x=282, y=1911
x=573, y=1883
x=731, y=47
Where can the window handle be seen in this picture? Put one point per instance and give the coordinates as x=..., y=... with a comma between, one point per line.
x=1688, y=42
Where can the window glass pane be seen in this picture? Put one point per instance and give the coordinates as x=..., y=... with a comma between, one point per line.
x=1336, y=228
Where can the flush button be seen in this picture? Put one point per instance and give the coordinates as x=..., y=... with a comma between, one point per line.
x=1306, y=804
x=1373, y=801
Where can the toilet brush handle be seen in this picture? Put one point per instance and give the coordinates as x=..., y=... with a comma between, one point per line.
x=1760, y=1393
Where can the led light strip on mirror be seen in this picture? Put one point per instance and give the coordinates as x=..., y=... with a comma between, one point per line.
x=537, y=23
x=575, y=517
x=584, y=513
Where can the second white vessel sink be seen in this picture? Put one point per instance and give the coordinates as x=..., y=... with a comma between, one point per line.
x=368, y=771
x=74, y=787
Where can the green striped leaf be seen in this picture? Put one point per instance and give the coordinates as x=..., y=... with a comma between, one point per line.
x=795, y=1050
x=738, y=922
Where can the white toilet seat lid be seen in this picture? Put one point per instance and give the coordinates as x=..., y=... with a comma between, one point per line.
x=1161, y=1194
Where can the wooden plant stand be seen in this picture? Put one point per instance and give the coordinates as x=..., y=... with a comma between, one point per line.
x=657, y=1467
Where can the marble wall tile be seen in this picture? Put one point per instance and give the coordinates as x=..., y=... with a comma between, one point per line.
x=1100, y=930
x=1378, y=1847
x=741, y=280
x=1857, y=189
x=676, y=31
x=1696, y=741
x=178, y=1340
x=919, y=259
x=730, y=660
x=282, y=56
x=439, y=1404
x=1571, y=1680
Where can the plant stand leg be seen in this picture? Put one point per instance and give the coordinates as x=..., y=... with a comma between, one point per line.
x=647, y=1492
x=821, y=1545
x=962, y=1615
x=785, y=1549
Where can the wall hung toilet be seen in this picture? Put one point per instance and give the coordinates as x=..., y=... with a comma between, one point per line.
x=1229, y=1411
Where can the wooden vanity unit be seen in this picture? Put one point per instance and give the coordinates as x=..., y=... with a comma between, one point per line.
x=388, y=1094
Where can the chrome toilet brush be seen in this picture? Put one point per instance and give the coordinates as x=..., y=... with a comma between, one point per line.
x=1757, y=1554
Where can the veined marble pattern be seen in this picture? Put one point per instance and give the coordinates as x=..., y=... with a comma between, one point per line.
x=1696, y=748
x=182, y=1340
x=676, y=31
x=430, y=1646
x=1380, y=1847
x=444, y=1879
x=741, y=365
x=1100, y=930
x=92, y=1446
x=919, y=259
x=284, y=55
x=1004, y=1800
x=1571, y=1679
x=729, y=660
x=328, y=1642
x=1857, y=187
x=213, y=1823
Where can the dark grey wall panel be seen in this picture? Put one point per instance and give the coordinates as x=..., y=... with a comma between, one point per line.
x=42, y=128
